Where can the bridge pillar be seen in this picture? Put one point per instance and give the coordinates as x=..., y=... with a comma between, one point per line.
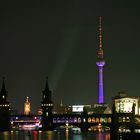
x=132, y=119
x=84, y=119
x=114, y=127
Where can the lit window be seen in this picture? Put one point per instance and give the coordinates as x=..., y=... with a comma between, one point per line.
x=46, y=113
x=54, y=120
x=109, y=120
x=127, y=119
x=93, y=120
x=119, y=119
x=101, y=120
x=97, y=120
x=75, y=119
x=105, y=120
x=44, y=96
x=123, y=119
x=89, y=120
x=79, y=120
x=84, y=120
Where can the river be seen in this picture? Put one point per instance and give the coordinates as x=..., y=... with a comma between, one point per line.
x=51, y=135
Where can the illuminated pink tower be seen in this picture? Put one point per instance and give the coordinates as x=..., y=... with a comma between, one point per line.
x=100, y=63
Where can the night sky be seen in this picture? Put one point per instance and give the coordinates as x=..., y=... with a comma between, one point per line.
x=60, y=40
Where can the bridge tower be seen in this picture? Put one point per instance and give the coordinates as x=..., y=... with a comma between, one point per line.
x=47, y=106
x=100, y=64
x=4, y=109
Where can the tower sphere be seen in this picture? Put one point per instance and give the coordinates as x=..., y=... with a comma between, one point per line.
x=100, y=63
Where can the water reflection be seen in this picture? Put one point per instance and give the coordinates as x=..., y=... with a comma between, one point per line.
x=6, y=135
x=35, y=135
x=67, y=134
x=77, y=137
x=103, y=136
x=51, y=135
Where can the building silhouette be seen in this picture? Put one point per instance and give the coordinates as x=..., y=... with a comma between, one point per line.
x=4, y=109
x=47, y=106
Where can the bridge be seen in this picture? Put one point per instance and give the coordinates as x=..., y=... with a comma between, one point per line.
x=82, y=121
x=121, y=122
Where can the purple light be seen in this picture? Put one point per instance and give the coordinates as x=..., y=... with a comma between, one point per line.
x=100, y=65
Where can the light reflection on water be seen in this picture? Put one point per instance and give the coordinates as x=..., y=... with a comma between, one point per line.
x=51, y=135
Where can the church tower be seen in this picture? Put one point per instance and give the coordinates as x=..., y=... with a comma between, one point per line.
x=47, y=106
x=4, y=109
x=100, y=64
x=27, y=107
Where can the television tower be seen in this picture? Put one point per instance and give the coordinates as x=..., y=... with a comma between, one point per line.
x=100, y=63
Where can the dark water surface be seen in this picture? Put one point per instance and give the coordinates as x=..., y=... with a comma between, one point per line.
x=51, y=135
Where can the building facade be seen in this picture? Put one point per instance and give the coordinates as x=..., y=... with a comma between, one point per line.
x=27, y=107
x=124, y=103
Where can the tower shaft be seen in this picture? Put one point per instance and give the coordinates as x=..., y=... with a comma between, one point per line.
x=100, y=86
x=100, y=63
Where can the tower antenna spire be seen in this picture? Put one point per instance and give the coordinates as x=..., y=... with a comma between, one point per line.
x=100, y=51
x=100, y=31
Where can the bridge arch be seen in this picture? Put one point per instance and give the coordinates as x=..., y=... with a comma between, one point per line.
x=109, y=120
x=124, y=129
x=101, y=120
x=105, y=120
x=89, y=120
x=93, y=120
x=71, y=128
x=97, y=120
x=79, y=120
x=99, y=128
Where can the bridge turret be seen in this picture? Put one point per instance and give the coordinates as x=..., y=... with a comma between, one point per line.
x=4, y=109
x=47, y=106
